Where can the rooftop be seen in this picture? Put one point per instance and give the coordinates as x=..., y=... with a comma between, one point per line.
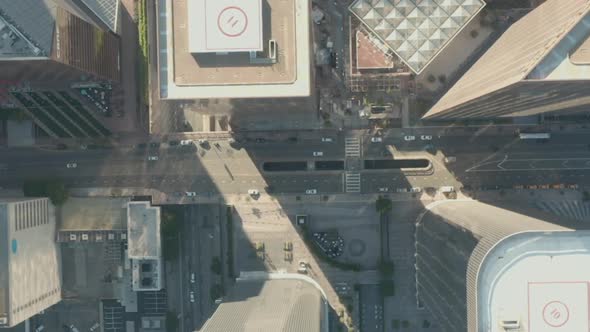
x=143, y=225
x=416, y=30
x=272, y=58
x=94, y=213
x=519, y=54
x=106, y=10
x=369, y=55
x=225, y=26
x=286, y=304
x=539, y=279
x=26, y=27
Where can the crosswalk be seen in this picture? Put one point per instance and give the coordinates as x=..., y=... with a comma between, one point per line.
x=352, y=147
x=352, y=182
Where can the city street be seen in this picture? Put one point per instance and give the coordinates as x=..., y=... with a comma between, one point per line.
x=481, y=161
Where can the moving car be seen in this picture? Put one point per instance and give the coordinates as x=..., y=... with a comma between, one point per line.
x=152, y=158
x=72, y=165
x=186, y=142
x=409, y=138
x=376, y=139
x=311, y=191
x=318, y=154
x=426, y=137
x=192, y=278
x=383, y=190
x=192, y=296
x=191, y=193
x=327, y=139
x=416, y=189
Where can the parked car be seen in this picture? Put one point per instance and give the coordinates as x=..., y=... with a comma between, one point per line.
x=376, y=139
x=409, y=138
x=152, y=158
x=426, y=137
x=72, y=165
x=154, y=145
x=192, y=296
x=186, y=142
x=383, y=190
x=416, y=189
x=191, y=193
x=311, y=191
x=173, y=143
x=94, y=327
x=327, y=139
x=73, y=328
x=192, y=278
x=253, y=192
x=302, y=267
x=318, y=153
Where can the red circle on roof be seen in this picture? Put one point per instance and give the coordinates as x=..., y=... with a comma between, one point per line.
x=232, y=21
x=556, y=314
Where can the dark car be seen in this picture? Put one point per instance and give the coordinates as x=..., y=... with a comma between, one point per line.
x=155, y=145
x=173, y=143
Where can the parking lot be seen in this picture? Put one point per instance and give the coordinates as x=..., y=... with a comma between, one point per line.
x=113, y=315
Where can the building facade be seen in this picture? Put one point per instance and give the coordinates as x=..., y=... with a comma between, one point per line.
x=479, y=267
x=30, y=278
x=539, y=65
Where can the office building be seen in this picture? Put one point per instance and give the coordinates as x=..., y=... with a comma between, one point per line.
x=540, y=65
x=486, y=268
x=234, y=48
x=30, y=277
x=271, y=302
x=416, y=30
x=144, y=247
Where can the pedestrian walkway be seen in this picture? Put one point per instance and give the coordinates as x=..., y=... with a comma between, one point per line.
x=352, y=182
x=352, y=147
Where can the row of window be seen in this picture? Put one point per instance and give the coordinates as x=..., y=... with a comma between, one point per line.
x=31, y=214
x=35, y=301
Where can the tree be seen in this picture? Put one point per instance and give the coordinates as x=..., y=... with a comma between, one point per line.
x=55, y=189
x=386, y=269
x=474, y=33
x=431, y=78
x=383, y=205
x=171, y=322
x=387, y=288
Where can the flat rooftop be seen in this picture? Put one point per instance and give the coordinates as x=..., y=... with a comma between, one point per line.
x=187, y=73
x=286, y=304
x=368, y=53
x=225, y=26
x=539, y=279
x=143, y=228
x=94, y=213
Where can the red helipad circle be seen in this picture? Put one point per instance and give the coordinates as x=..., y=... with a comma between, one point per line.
x=556, y=313
x=232, y=21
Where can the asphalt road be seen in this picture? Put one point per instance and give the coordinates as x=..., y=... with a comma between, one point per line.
x=481, y=161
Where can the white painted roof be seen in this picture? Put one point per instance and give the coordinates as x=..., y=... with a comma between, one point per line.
x=225, y=26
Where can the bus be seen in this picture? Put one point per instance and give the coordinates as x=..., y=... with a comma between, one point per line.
x=535, y=135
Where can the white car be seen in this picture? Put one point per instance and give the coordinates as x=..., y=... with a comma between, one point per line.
x=186, y=142
x=416, y=190
x=192, y=278
x=72, y=165
x=409, y=138
x=153, y=158
x=318, y=154
x=311, y=191
x=94, y=327
x=192, y=296
x=426, y=138
x=383, y=190
x=327, y=139
x=376, y=139
x=253, y=192
x=191, y=193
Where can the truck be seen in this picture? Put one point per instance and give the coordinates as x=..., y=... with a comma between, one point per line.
x=447, y=189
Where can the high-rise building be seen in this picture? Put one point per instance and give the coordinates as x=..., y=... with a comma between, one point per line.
x=271, y=302
x=46, y=40
x=30, y=277
x=486, y=268
x=234, y=49
x=541, y=64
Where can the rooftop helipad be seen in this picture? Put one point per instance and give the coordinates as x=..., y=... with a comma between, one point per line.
x=416, y=30
x=225, y=25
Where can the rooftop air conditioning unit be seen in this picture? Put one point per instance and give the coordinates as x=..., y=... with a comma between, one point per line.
x=124, y=236
x=111, y=236
x=84, y=237
x=73, y=237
